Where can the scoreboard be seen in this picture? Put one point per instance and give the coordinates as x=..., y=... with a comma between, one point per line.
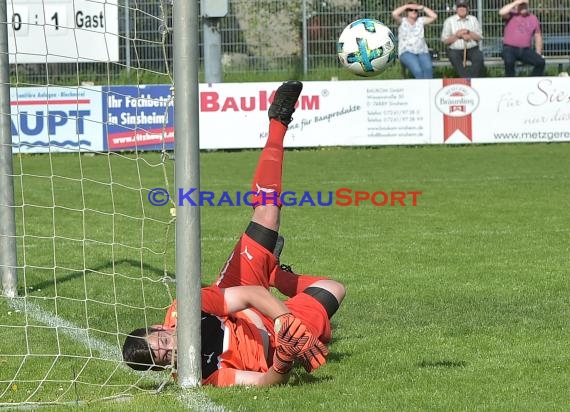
x=63, y=31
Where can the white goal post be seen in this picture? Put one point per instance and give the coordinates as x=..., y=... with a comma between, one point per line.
x=85, y=258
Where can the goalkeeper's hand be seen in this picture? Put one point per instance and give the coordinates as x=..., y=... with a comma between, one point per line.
x=294, y=340
x=282, y=363
x=292, y=336
x=314, y=357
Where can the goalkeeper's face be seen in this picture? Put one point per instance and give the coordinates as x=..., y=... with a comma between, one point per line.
x=163, y=346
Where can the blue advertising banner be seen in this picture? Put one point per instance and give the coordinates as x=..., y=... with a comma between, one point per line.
x=138, y=117
x=56, y=119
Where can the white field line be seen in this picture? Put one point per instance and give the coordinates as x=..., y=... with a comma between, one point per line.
x=190, y=399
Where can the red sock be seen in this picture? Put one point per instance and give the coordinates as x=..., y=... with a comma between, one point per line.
x=267, y=178
x=291, y=284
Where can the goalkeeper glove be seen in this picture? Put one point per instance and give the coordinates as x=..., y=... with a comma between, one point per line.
x=282, y=363
x=294, y=340
x=292, y=336
x=314, y=357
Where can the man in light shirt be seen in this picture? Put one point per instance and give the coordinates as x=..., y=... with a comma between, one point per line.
x=461, y=34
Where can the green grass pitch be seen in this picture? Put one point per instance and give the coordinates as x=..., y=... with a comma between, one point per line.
x=459, y=303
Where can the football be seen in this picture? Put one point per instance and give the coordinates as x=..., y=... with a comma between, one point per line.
x=367, y=47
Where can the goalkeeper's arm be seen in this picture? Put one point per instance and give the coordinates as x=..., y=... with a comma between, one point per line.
x=222, y=302
x=271, y=377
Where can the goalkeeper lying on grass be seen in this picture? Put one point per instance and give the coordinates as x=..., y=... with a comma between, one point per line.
x=249, y=337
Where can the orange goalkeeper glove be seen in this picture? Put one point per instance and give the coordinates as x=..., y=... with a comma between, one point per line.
x=292, y=336
x=282, y=363
x=294, y=341
x=314, y=357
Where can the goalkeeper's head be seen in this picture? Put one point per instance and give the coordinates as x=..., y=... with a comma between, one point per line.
x=151, y=348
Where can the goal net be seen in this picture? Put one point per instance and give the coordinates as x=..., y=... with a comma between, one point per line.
x=91, y=134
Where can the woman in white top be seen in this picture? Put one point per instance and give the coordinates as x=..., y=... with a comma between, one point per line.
x=412, y=48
